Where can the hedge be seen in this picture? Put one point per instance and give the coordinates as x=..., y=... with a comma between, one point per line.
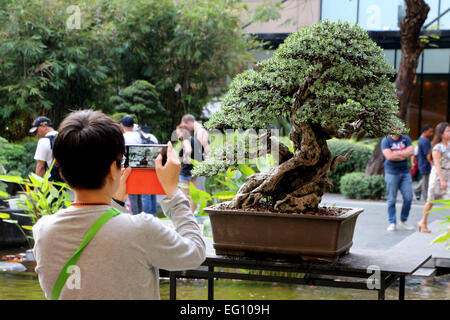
x=357, y=161
x=357, y=185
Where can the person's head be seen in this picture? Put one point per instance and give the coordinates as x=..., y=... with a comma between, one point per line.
x=89, y=150
x=188, y=120
x=41, y=126
x=427, y=131
x=127, y=123
x=442, y=132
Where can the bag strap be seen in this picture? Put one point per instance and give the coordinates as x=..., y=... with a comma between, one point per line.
x=96, y=226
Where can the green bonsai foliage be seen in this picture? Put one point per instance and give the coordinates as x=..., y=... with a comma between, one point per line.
x=142, y=100
x=328, y=80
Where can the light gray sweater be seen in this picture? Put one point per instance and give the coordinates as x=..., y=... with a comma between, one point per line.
x=122, y=260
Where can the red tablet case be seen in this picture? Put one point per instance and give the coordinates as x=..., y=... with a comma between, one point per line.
x=144, y=181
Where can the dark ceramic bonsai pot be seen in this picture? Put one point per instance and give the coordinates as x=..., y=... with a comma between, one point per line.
x=309, y=236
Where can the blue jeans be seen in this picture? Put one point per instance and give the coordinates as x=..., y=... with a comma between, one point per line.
x=136, y=203
x=149, y=203
x=395, y=182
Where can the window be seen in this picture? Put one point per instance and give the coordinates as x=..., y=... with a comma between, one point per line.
x=344, y=10
x=444, y=21
x=390, y=56
x=433, y=13
x=380, y=14
x=436, y=61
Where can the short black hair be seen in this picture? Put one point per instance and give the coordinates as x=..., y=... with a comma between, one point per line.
x=87, y=143
x=187, y=117
x=426, y=127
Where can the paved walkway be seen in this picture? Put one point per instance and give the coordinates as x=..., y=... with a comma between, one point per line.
x=370, y=230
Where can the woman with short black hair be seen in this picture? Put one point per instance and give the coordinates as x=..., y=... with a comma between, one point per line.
x=122, y=258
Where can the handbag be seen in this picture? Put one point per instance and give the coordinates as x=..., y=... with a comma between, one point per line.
x=96, y=226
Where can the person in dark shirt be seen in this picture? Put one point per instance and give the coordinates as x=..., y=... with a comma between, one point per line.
x=396, y=150
x=424, y=160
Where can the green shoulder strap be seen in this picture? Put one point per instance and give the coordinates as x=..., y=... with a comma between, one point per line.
x=64, y=275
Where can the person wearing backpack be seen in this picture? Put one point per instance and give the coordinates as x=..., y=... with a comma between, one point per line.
x=148, y=201
x=43, y=128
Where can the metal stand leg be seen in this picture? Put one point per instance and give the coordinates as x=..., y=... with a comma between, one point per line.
x=172, y=286
x=401, y=288
x=382, y=289
x=211, y=284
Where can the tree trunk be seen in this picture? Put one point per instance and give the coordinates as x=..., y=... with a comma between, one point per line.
x=375, y=165
x=412, y=47
x=297, y=184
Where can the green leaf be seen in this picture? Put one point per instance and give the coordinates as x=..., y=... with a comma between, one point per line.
x=246, y=170
x=442, y=238
x=10, y=221
x=4, y=215
x=263, y=164
x=224, y=195
x=13, y=179
x=228, y=184
x=194, y=193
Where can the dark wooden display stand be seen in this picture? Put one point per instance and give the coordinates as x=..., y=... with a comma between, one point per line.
x=351, y=271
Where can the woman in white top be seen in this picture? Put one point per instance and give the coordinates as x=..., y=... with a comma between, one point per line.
x=440, y=172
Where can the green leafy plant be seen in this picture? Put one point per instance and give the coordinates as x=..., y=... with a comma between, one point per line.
x=142, y=100
x=17, y=157
x=357, y=185
x=356, y=162
x=223, y=188
x=41, y=197
x=445, y=235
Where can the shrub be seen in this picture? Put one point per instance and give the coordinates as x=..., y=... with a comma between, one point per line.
x=357, y=161
x=357, y=185
x=17, y=157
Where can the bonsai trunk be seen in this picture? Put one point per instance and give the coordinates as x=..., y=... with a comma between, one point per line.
x=297, y=184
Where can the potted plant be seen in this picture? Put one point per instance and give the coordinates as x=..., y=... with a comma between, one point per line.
x=328, y=80
x=40, y=197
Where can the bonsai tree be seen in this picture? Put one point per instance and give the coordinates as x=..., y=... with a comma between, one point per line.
x=328, y=80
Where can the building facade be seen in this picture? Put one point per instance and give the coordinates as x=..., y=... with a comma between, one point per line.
x=430, y=101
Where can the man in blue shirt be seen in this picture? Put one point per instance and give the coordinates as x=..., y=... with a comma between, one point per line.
x=396, y=150
x=424, y=159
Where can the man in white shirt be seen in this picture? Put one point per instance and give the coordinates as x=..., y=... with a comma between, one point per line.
x=129, y=134
x=132, y=137
x=43, y=128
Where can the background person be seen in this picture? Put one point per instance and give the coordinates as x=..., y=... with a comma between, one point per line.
x=201, y=137
x=424, y=160
x=132, y=137
x=122, y=260
x=396, y=150
x=148, y=201
x=43, y=128
x=440, y=172
x=188, y=144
